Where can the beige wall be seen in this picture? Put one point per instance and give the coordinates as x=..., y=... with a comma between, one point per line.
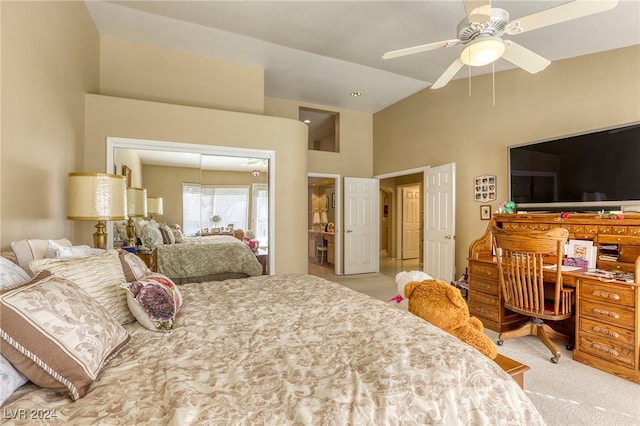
x=108, y=116
x=435, y=127
x=355, y=158
x=50, y=59
x=151, y=73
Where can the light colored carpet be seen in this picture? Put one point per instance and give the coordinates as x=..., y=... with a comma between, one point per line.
x=566, y=394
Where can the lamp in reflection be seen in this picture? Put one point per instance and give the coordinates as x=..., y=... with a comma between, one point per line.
x=97, y=196
x=136, y=207
x=154, y=207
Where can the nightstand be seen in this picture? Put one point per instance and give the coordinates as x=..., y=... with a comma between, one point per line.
x=149, y=259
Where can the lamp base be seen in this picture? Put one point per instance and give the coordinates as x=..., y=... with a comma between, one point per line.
x=131, y=233
x=100, y=237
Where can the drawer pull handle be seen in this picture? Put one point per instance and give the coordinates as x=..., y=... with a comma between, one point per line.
x=606, y=332
x=606, y=313
x=605, y=349
x=606, y=294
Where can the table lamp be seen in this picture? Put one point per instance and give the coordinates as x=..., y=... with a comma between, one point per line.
x=97, y=196
x=154, y=206
x=136, y=207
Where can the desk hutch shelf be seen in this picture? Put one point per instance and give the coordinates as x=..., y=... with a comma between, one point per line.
x=606, y=325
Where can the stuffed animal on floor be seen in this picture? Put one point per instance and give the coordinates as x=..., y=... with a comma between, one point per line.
x=442, y=305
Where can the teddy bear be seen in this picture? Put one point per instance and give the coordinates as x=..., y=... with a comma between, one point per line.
x=442, y=305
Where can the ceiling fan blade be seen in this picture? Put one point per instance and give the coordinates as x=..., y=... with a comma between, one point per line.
x=448, y=74
x=478, y=10
x=555, y=15
x=419, y=49
x=524, y=58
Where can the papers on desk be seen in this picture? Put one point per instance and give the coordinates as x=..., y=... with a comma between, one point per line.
x=565, y=268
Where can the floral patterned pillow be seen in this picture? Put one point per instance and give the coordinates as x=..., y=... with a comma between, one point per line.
x=154, y=301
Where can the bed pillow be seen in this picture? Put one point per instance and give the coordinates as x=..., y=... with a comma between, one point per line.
x=10, y=378
x=28, y=250
x=154, y=301
x=57, y=335
x=57, y=251
x=133, y=267
x=99, y=275
x=151, y=235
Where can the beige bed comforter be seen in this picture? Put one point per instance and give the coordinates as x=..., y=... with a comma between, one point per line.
x=200, y=257
x=291, y=349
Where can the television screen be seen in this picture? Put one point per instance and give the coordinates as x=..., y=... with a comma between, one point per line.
x=601, y=167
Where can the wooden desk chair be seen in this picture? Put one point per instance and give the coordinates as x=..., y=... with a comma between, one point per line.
x=520, y=271
x=321, y=249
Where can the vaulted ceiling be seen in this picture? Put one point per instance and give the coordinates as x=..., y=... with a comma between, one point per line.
x=321, y=51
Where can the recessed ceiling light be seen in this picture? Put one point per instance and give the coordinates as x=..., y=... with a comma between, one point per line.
x=356, y=93
x=307, y=121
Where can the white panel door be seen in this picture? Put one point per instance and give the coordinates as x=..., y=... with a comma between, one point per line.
x=360, y=225
x=410, y=222
x=439, y=222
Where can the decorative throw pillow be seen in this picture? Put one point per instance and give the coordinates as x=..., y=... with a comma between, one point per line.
x=10, y=378
x=167, y=234
x=57, y=335
x=177, y=235
x=100, y=276
x=133, y=267
x=154, y=301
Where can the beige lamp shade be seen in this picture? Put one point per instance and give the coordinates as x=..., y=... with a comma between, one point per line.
x=154, y=206
x=136, y=202
x=96, y=196
x=316, y=218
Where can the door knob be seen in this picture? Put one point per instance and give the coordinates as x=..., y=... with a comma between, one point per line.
x=448, y=237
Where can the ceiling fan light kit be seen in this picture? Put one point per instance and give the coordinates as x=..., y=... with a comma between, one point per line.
x=482, y=51
x=482, y=30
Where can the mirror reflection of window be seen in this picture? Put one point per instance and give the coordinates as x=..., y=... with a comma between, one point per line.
x=324, y=129
x=196, y=187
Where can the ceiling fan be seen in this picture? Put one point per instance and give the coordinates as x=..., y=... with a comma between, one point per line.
x=482, y=30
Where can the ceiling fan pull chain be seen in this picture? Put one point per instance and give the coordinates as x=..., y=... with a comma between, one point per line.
x=493, y=81
x=469, y=68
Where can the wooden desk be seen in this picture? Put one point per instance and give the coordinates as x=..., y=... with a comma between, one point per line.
x=606, y=324
x=513, y=368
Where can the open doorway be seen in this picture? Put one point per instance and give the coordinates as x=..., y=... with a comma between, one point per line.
x=402, y=217
x=324, y=218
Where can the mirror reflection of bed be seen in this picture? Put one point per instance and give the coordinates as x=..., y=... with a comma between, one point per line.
x=208, y=196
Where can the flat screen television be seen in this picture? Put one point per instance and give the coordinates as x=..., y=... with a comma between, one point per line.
x=587, y=172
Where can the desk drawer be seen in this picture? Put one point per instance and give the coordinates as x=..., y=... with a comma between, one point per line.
x=484, y=285
x=484, y=305
x=605, y=349
x=613, y=314
x=620, y=294
x=483, y=270
x=607, y=332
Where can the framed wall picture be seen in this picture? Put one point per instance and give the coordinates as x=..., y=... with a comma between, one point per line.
x=484, y=188
x=126, y=171
x=485, y=212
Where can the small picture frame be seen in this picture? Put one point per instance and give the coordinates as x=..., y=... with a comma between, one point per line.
x=485, y=212
x=126, y=171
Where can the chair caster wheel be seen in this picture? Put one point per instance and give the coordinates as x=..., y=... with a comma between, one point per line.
x=569, y=347
x=500, y=342
x=554, y=360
